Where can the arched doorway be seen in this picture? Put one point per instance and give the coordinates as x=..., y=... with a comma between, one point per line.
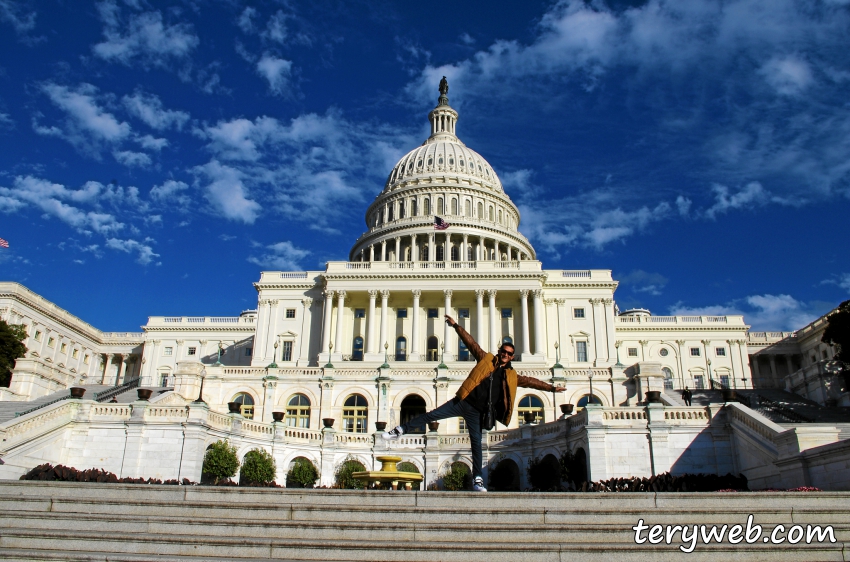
x=579, y=466
x=505, y=476
x=412, y=406
x=246, y=404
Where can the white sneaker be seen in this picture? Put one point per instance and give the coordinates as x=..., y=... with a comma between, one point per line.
x=392, y=434
x=478, y=485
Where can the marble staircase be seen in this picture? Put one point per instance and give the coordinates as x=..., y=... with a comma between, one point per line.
x=131, y=523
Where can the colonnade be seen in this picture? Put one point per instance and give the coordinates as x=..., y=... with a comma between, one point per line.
x=483, y=249
x=490, y=339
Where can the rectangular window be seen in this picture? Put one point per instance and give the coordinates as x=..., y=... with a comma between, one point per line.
x=694, y=352
x=75, y=353
x=290, y=313
x=37, y=335
x=578, y=313
x=286, y=355
x=724, y=380
x=699, y=382
x=461, y=426
x=360, y=313
x=248, y=351
x=86, y=359
x=192, y=351
x=581, y=351
x=401, y=313
x=433, y=313
x=720, y=352
x=507, y=313
x=63, y=348
x=463, y=313
x=632, y=352
x=167, y=351
x=51, y=342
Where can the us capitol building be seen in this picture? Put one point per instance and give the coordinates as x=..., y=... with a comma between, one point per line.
x=330, y=353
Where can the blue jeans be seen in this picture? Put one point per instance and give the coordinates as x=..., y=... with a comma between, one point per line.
x=452, y=409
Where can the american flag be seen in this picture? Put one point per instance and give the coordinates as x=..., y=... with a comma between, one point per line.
x=3, y=243
x=440, y=224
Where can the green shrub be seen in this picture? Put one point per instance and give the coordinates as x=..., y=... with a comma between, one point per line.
x=343, y=475
x=405, y=466
x=220, y=461
x=303, y=474
x=457, y=478
x=258, y=467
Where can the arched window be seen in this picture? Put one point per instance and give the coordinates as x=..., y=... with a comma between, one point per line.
x=491, y=214
x=440, y=252
x=413, y=405
x=401, y=349
x=390, y=212
x=414, y=208
x=298, y=411
x=427, y=206
x=455, y=253
x=381, y=216
x=467, y=208
x=530, y=405
x=357, y=349
x=668, y=377
x=480, y=213
x=423, y=253
x=454, y=206
x=440, y=207
x=500, y=216
x=354, y=414
x=433, y=349
x=246, y=404
x=401, y=209
x=588, y=398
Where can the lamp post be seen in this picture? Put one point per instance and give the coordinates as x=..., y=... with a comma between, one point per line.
x=200, y=399
x=330, y=352
x=590, y=378
x=273, y=364
x=218, y=361
x=442, y=364
x=557, y=364
x=617, y=347
x=386, y=364
x=710, y=380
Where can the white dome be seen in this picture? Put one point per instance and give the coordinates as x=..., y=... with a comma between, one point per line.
x=444, y=157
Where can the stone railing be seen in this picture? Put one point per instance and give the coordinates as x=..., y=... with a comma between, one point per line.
x=250, y=371
x=219, y=421
x=409, y=441
x=686, y=416
x=623, y=414
x=432, y=266
x=257, y=427
x=297, y=372
x=120, y=411
x=599, y=373
x=755, y=423
x=353, y=438
x=168, y=412
x=194, y=321
x=494, y=437
x=730, y=320
x=27, y=427
x=300, y=434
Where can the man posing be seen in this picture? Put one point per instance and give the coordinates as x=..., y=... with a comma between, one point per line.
x=491, y=385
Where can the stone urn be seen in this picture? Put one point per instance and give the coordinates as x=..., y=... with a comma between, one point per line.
x=234, y=407
x=433, y=426
x=381, y=426
x=278, y=416
x=144, y=394
x=528, y=417
x=329, y=422
x=77, y=391
x=653, y=396
x=729, y=395
x=567, y=409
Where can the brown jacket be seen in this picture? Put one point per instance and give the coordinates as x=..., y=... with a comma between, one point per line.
x=487, y=364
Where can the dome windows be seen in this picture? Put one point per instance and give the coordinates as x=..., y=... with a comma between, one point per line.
x=419, y=164
x=479, y=168
x=430, y=161
x=451, y=161
x=440, y=161
x=461, y=163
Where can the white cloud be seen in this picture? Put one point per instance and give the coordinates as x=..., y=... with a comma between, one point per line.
x=6, y=121
x=145, y=253
x=132, y=159
x=282, y=256
x=149, y=109
x=683, y=205
x=22, y=20
x=227, y=193
x=749, y=196
x=641, y=281
x=86, y=120
x=842, y=280
x=152, y=143
x=170, y=190
x=144, y=37
x=246, y=19
x=277, y=71
x=789, y=76
x=276, y=28
x=762, y=312
x=467, y=39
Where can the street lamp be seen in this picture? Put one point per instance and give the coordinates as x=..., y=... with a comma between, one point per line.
x=330, y=352
x=273, y=364
x=442, y=364
x=218, y=361
x=386, y=364
x=557, y=364
x=200, y=399
x=590, y=378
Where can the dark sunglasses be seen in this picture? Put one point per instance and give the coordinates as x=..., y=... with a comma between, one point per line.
x=508, y=353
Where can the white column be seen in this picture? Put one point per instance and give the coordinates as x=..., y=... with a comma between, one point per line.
x=414, y=332
x=598, y=326
x=494, y=336
x=448, y=332
x=447, y=248
x=398, y=248
x=340, y=304
x=539, y=344
x=464, y=248
x=610, y=335
x=106, y=365
x=414, y=249
x=326, y=328
x=370, y=323
x=432, y=255
x=119, y=379
x=274, y=314
x=385, y=296
x=479, y=316
x=371, y=252
x=383, y=250
x=523, y=299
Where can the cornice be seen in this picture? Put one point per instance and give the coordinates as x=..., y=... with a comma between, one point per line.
x=524, y=275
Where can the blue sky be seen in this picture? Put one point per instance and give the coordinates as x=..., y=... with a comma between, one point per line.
x=156, y=156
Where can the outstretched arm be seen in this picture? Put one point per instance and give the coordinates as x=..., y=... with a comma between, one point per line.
x=531, y=382
x=464, y=336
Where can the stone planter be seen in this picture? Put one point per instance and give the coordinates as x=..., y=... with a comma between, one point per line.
x=653, y=396
x=381, y=426
x=329, y=422
x=77, y=392
x=567, y=409
x=433, y=426
x=278, y=416
x=144, y=393
x=234, y=407
x=729, y=395
x=528, y=417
